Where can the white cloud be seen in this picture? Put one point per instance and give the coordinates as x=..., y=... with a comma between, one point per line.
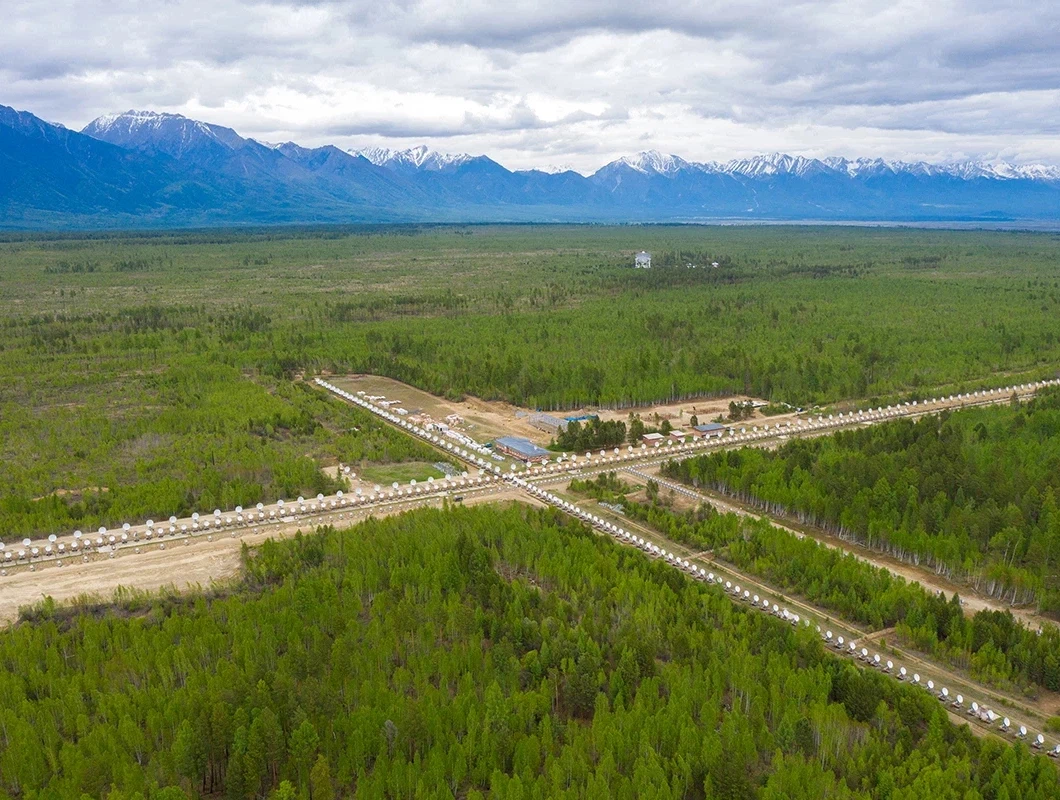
x=533, y=83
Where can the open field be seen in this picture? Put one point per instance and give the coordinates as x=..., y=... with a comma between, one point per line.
x=400, y=473
x=483, y=420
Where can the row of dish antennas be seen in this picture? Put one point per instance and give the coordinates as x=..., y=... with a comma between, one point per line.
x=28, y=551
x=981, y=394
x=480, y=450
x=201, y=523
x=891, y=411
x=474, y=454
x=700, y=573
x=81, y=542
x=838, y=642
x=974, y=710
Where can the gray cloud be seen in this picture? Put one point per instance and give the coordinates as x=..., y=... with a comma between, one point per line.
x=578, y=82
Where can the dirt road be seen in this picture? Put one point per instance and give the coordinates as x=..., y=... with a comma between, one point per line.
x=189, y=563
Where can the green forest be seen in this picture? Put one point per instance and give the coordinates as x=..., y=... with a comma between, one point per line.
x=500, y=652
x=594, y=433
x=973, y=493
x=992, y=646
x=142, y=375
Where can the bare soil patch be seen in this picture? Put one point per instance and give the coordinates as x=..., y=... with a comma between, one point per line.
x=485, y=420
x=195, y=565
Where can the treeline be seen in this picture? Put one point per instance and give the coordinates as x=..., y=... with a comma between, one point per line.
x=65, y=267
x=606, y=486
x=993, y=646
x=974, y=495
x=467, y=653
x=594, y=433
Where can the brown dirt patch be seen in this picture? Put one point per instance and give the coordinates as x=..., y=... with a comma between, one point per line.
x=485, y=420
x=194, y=565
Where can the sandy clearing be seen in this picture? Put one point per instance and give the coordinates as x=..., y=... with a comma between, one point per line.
x=485, y=420
x=185, y=564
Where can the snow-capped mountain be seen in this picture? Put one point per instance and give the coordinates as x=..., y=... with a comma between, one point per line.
x=655, y=163
x=551, y=169
x=413, y=159
x=652, y=162
x=144, y=167
x=775, y=164
x=174, y=134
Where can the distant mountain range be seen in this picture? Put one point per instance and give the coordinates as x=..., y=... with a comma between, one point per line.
x=144, y=169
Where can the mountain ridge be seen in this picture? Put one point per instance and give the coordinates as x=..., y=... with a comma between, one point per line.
x=152, y=168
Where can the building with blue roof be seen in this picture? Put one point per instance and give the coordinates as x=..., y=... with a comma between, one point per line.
x=710, y=429
x=522, y=449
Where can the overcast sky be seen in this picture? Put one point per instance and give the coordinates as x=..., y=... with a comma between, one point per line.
x=575, y=83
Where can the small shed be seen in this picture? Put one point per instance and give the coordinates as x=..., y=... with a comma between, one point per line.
x=642, y=260
x=548, y=423
x=679, y=436
x=652, y=438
